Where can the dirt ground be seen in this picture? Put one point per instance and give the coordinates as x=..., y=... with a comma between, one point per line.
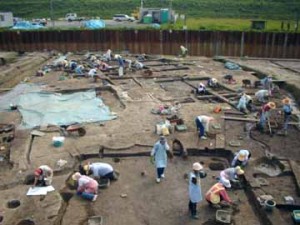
x=132, y=98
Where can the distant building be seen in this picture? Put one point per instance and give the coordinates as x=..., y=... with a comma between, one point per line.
x=6, y=19
x=156, y=15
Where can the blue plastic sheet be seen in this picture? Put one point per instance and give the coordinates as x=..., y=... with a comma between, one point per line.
x=232, y=66
x=26, y=25
x=94, y=24
x=47, y=108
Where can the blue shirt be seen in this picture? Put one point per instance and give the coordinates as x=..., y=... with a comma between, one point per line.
x=195, y=193
x=159, y=152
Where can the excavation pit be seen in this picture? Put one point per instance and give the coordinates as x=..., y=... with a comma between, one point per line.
x=13, y=204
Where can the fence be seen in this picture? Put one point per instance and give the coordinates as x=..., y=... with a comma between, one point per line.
x=199, y=43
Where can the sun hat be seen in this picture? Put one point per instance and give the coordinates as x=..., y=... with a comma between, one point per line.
x=197, y=166
x=239, y=171
x=272, y=105
x=86, y=167
x=215, y=198
x=214, y=80
x=76, y=176
x=286, y=101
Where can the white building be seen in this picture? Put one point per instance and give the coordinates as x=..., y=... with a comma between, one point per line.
x=6, y=19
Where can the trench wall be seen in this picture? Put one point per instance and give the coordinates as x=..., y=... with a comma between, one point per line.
x=163, y=42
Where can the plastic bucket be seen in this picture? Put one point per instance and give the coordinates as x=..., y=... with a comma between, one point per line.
x=58, y=141
x=269, y=205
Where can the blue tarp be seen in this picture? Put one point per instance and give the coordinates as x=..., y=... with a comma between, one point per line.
x=94, y=24
x=155, y=25
x=43, y=108
x=232, y=66
x=26, y=25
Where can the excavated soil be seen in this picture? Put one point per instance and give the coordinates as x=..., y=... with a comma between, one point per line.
x=135, y=198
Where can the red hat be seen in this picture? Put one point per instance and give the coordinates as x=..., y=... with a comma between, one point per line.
x=38, y=172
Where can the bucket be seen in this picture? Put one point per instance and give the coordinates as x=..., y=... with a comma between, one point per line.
x=269, y=205
x=58, y=141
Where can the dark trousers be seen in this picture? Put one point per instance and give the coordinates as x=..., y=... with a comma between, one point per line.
x=160, y=171
x=200, y=127
x=193, y=208
x=109, y=176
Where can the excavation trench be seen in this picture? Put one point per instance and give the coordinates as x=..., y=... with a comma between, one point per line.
x=220, y=157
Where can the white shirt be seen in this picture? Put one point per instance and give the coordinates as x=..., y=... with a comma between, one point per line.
x=101, y=169
x=92, y=72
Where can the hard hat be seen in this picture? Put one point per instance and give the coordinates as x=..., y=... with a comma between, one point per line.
x=76, y=176
x=197, y=166
x=215, y=198
x=272, y=105
x=239, y=171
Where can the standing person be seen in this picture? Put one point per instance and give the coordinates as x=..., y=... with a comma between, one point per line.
x=121, y=64
x=241, y=158
x=218, y=193
x=107, y=55
x=100, y=169
x=159, y=157
x=43, y=176
x=264, y=114
x=87, y=187
x=195, y=194
x=184, y=51
x=287, y=111
x=267, y=83
x=202, y=123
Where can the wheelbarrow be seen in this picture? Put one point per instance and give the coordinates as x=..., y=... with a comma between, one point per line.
x=67, y=130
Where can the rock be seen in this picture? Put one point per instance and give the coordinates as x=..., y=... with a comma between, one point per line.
x=123, y=195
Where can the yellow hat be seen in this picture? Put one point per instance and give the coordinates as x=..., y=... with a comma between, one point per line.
x=86, y=168
x=239, y=171
x=215, y=198
x=272, y=105
x=286, y=101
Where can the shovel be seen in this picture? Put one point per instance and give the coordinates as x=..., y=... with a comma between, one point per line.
x=270, y=130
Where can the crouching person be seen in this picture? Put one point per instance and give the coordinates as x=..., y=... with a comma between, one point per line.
x=87, y=187
x=43, y=176
x=100, y=170
x=217, y=194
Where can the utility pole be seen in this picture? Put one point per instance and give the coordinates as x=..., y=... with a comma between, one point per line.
x=170, y=9
x=51, y=12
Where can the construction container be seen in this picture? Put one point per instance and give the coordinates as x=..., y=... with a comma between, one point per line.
x=164, y=16
x=148, y=19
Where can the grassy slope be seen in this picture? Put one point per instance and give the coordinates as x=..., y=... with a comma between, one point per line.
x=268, y=9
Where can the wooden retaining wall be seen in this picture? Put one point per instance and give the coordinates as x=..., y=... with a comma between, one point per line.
x=199, y=43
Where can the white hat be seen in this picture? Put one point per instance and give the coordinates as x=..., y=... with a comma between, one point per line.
x=197, y=166
x=117, y=56
x=76, y=176
x=214, y=80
